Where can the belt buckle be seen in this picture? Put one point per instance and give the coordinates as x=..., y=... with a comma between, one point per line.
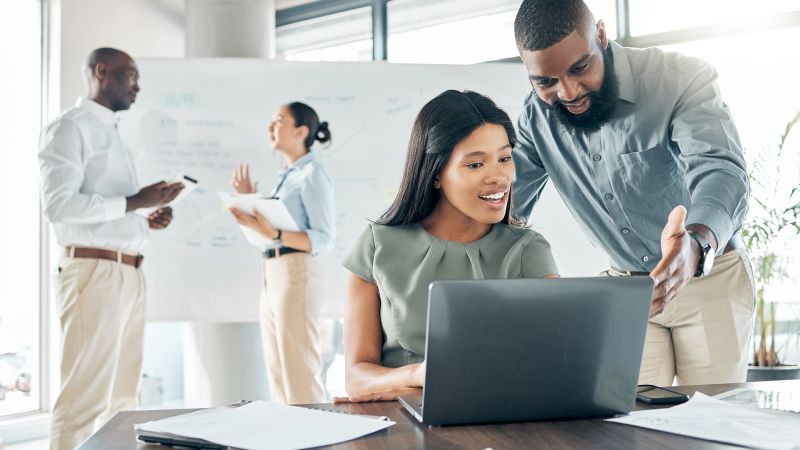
x=277, y=252
x=138, y=260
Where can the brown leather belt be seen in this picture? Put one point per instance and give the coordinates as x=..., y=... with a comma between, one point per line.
x=734, y=243
x=99, y=253
x=273, y=252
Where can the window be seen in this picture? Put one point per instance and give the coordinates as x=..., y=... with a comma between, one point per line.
x=757, y=78
x=647, y=16
x=345, y=36
x=462, y=32
x=20, y=45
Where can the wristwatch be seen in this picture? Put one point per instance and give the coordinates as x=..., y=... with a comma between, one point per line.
x=277, y=239
x=706, y=255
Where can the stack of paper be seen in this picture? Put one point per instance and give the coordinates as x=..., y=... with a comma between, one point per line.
x=264, y=425
x=708, y=418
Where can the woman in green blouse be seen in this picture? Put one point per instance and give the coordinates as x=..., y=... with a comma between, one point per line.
x=450, y=220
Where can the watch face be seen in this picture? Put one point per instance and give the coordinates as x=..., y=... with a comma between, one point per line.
x=708, y=262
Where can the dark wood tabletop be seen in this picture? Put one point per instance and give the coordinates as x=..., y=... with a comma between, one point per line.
x=118, y=433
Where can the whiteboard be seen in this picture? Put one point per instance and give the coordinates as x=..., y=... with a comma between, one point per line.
x=202, y=117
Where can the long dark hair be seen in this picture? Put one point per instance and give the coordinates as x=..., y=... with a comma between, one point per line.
x=441, y=124
x=305, y=115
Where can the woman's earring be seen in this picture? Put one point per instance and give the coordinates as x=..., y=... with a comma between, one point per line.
x=436, y=184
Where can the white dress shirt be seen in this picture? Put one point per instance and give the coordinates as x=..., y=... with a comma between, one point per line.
x=86, y=173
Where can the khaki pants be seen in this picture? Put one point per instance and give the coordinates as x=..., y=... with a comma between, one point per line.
x=703, y=335
x=101, y=308
x=292, y=297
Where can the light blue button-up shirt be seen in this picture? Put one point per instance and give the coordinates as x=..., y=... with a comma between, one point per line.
x=671, y=142
x=307, y=191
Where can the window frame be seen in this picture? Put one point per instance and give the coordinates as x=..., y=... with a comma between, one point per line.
x=35, y=423
x=321, y=8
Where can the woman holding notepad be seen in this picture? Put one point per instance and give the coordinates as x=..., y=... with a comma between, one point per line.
x=293, y=289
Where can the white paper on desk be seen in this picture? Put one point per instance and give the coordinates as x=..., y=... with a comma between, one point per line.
x=782, y=398
x=265, y=425
x=711, y=419
x=273, y=209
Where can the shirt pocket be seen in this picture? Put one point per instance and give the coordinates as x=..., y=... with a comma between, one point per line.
x=651, y=183
x=100, y=159
x=100, y=141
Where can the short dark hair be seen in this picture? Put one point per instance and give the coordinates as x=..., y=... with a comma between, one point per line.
x=441, y=124
x=542, y=23
x=305, y=115
x=102, y=55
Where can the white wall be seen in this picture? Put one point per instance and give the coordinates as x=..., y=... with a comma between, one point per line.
x=143, y=28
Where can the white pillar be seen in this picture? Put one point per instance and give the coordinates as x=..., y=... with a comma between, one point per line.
x=223, y=362
x=230, y=28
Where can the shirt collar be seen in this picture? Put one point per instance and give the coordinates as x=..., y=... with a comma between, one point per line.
x=106, y=115
x=301, y=161
x=622, y=68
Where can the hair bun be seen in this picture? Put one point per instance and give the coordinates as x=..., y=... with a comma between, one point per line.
x=323, y=134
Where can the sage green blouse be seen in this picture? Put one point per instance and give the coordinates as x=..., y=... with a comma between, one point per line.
x=403, y=260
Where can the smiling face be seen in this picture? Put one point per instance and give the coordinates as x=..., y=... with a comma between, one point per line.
x=476, y=181
x=283, y=134
x=575, y=78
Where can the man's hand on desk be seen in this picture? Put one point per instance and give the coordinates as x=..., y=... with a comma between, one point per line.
x=382, y=396
x=157, y=194
x=160, y=218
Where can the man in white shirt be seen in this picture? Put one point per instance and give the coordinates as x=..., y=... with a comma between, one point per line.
x=90, y=193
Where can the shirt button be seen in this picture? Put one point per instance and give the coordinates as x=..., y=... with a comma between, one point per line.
x=597, y=157
x=609, y=197
x=625, y=231
x=645, y=258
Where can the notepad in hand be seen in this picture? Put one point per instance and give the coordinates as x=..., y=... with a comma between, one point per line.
x=272, y=209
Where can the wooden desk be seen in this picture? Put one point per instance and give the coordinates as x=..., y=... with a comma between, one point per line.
x=408, y=433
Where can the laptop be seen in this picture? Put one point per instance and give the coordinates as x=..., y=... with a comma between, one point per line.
x=532, y=349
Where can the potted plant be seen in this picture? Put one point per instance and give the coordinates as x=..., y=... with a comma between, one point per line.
x=775, y=204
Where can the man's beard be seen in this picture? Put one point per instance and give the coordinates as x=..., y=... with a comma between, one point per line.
x=602, y=107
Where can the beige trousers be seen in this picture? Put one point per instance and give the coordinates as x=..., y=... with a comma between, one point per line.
x=101, y=308
x=703, y=335
x=292, y=298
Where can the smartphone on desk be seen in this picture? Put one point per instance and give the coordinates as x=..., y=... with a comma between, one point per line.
x=658, y=396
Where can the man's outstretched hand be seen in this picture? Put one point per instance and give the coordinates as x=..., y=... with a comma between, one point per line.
x=679, y=257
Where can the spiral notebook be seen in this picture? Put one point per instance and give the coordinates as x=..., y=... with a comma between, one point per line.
x=259, y=424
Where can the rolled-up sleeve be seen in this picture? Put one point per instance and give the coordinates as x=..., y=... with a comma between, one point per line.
x=318, y=199
x=62, y=174
x=710, y=149
x=531, y=174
